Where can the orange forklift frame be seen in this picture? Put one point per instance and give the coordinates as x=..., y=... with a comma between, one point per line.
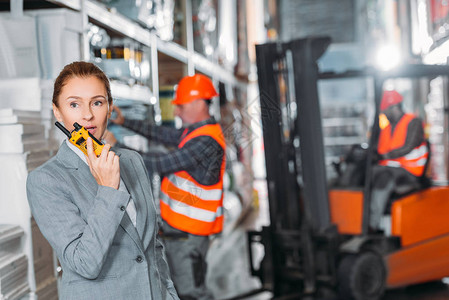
x=318, y=241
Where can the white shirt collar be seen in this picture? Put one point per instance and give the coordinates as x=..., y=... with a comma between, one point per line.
x=76, y=150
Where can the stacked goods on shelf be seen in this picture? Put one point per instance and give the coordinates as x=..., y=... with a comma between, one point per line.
x=157, y=15
x=166, y=95
x=13, y=263
x=59, y=33
x=25, y=121
x=204, y=23
x=20, y=103
x=134, y=110
x=25, y=147
x=18, y=52
x=48, y=290
x=20, y=93
x=121, y=59
x=53, y=135
x=44, y=269
x=21, y=131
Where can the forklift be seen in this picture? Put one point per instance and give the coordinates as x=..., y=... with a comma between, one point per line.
x=318, y=242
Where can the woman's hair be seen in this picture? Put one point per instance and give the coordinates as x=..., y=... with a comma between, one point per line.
x=79, y=69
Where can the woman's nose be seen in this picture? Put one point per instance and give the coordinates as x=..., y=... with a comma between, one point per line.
x=87, y=113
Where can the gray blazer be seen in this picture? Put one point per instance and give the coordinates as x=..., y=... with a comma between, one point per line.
x=103, y=256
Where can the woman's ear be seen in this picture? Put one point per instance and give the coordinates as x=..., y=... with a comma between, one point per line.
x=110, y=110
x=57, y=113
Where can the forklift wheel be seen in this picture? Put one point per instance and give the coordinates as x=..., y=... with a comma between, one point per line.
x=361, y=276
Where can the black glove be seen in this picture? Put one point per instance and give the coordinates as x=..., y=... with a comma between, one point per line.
x=377, y=157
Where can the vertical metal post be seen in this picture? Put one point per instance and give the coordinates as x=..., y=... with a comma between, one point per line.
x=189, y=35
x=155, y=79
x=17, y=8
x=378, y=87
x=405, y=25
x=305, y=53
x=85, y=52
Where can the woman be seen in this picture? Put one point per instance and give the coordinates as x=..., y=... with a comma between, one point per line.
x=97, y=213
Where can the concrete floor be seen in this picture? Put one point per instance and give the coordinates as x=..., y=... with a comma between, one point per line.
x=427, y=291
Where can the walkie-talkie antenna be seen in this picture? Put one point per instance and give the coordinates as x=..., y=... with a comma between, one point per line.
x=63, y=129
x=77, y=126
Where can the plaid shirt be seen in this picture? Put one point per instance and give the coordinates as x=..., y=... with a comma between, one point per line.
x=201, y=157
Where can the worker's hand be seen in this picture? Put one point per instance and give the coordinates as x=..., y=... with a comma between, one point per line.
x=109, y=138
x=119, y=118
x=106, y=167
x=376, y=157
x=385, y=156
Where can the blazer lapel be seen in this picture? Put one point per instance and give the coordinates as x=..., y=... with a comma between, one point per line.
x=72, y=162
x=134, y=185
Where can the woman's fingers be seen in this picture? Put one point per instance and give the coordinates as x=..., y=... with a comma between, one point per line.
x=105, y=168
x=90, y=150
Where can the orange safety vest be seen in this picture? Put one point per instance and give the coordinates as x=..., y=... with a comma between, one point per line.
x=188, y=205
x=414, y=161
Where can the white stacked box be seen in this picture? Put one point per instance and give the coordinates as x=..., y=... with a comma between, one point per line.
x=10, y=242
x=20, y=93
x=13, y=276
x=13, y=263
x=44, y=269
x=21, y=131
x=18, y=47
x=59, y=38
x=53, y=134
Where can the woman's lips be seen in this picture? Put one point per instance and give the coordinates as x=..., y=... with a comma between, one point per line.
x=91, y=130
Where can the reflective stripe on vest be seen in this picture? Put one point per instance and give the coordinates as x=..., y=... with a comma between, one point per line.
x=191, y=211
x=188, y=205
x=190, y=187
x=414, y=161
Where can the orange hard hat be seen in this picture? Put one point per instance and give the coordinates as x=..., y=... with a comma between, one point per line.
x=390, y=98
x=194, y=87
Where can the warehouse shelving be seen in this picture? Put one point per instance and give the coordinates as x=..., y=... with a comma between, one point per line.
x=117, y=22
x=136, y=93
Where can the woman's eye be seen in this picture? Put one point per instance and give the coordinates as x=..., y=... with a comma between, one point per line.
x=73, y=105
x=98, y=103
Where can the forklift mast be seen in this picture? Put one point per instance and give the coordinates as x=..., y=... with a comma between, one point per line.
x=298, y=243
x=288, y=75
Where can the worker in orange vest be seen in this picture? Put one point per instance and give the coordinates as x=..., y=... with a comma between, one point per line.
x=402, y=152
x=191, y=198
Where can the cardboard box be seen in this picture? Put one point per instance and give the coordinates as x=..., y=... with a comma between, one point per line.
x=48, y=290
x=10, y=240
x=42, y=255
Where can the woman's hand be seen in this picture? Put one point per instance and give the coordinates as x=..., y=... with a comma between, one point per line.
x=119, y=119
x=106, y=167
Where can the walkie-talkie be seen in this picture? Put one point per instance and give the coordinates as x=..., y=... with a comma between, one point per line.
x=78, y=137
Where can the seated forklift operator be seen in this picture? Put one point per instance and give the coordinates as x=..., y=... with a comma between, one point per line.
x=402, y=153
